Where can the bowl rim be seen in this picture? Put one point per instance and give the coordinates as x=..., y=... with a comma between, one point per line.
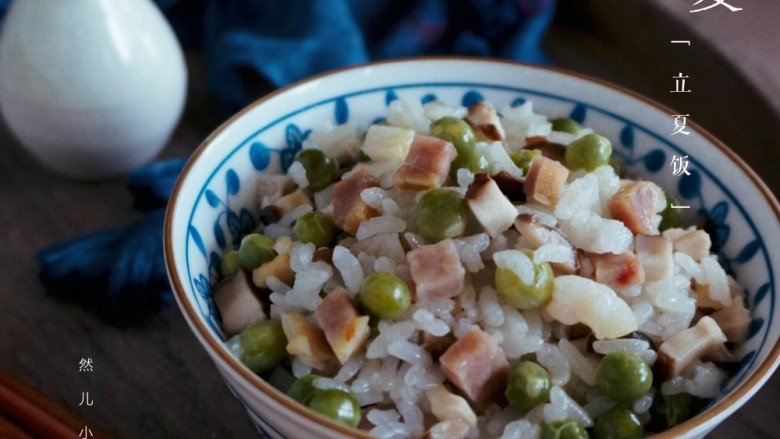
x=722, y=408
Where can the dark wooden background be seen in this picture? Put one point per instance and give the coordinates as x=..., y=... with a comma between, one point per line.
x=155, y=381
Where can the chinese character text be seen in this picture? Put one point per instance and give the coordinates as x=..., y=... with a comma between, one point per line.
x=714, y=4
x=679, y=165
x=679, y=84
x=85, y=399
x=85, y=365
x=85, y=433
x=680, y=122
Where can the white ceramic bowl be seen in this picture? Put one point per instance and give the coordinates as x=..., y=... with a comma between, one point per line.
x=213, y=202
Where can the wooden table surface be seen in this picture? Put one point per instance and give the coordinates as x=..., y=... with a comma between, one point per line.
x=155, y=381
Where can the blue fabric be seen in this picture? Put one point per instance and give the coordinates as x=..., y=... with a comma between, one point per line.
x=252, y=47
x=118, y=274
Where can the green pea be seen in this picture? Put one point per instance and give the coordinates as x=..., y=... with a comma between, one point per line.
x=670, y=217
x=522, y=158
x=588, y=152
x=385, y=295
x=303, y=389
x=321, y=170
x=441, y=214
x=228, y=265
x=564, y=430
x=338, y=405
x=623, y=376
x=521, y=295
x=255, y=250
x=315, y=227
x=670, y=410
x=619, y=423
x=528, y=385
x=263, y=345
x=566, y=125
x=460, y=134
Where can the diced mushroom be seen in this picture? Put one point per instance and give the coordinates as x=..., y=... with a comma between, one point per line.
x=681, y=349
x=279, y=267
x=272, y=187
x=511, y=186
x=693, y=242
x=617, y=271
x=576, y=299
x=291, y=201
x=427, y=164
x=345, y=330
x=237, y=303
x=538, y=234
x=486, y=123
x=437, y=344
x=436, y=271
x=448, y=406
x=703, y=299
x=387, y=143
x=713, y=290
x=452, y=429
x=477, y=366
x=655, y=255
x=491, y=208
x=349, y=210
x=733, y=320
x=635, y=206
x=553, y=151
x=307, y=342
x=545, y=180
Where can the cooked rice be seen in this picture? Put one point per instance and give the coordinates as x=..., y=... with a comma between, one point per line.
x=390, y=376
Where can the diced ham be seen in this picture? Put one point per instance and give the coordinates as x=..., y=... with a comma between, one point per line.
x=617, y=271
x=448, y=406
x=545, y=180
x=693, y=242
x=538, y=234
x=349, y=210
x=345, y=330
x=308, y=343
x=684, y=347
x=486, y=123
x=489, y=205
x=427, y=164
x=655, y=255
x=436, y=271
x=477, y=366
x=237, y=303
x=635, y=206
x=733, y=320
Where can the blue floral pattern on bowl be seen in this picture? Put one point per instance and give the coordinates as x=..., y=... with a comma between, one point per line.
x=272, y=147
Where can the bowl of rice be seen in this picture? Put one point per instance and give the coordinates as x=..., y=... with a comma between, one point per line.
x=462, y=248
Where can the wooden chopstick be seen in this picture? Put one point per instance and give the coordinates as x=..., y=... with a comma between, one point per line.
x=37, y=415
